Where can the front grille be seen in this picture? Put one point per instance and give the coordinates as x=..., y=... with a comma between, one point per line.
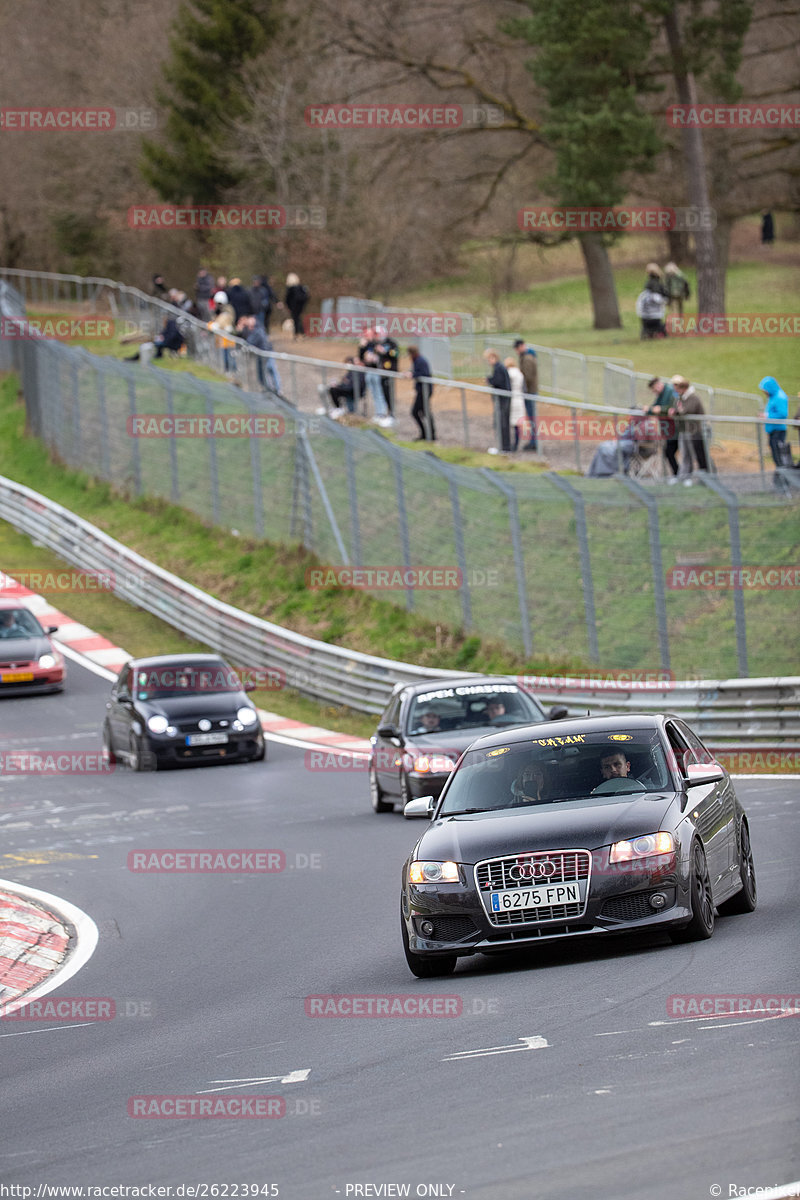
x=9, y=665
x=218, y=724
x=550, y=866
x=634, y=907
x=451, y=929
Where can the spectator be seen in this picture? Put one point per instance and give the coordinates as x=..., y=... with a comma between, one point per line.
x=223, y=324
x=663, y=407
x=655, y=279
x=239, y=300
x=221, y=284
x=389, y=354
x=517, y=413
x=767, y=227
x=677, y=286
x=203, y=291
x=530, y=371
x=349, y=388
x=777, y=413
x=296, y=299
x=687, y=409
x=158, y=287
x=262, y=300
x=498, y=380
x=371, y=359
x=612, y=456
x=248, y=328
x=423, y=391
x=650, y=307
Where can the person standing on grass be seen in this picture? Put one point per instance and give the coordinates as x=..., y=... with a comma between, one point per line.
x=423, y=390
x=517, y=414
x=688, y=408
x=530, y=372
x=777, y=413
x=663, y=407
x=500, y=383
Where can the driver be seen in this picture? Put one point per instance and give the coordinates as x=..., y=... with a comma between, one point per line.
x=430, y=721
x=495, y=709
x=9, y=625
x=614, y=765
x=527, y=787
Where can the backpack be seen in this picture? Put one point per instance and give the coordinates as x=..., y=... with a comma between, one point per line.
x=650, y=306
x=304, y=293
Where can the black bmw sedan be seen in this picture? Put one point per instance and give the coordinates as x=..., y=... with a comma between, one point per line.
x=177, y=709
x=426, y=726
x=592, y=826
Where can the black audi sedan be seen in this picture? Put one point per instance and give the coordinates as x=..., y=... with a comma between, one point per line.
x=588, y=826
x=175, y=709
x=425, y=727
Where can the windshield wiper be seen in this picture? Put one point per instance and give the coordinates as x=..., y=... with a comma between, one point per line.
x=460, y=812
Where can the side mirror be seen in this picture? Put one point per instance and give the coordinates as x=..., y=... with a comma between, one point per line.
x=557, y=713
x=52, y=629
x=422, y=807
x=698, y=773
x=392, y=734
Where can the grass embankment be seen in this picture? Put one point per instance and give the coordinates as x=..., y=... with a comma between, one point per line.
x=263, y=579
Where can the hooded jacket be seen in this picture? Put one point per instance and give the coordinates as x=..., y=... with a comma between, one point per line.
x=777, y=403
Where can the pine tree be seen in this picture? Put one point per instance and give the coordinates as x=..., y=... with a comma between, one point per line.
x=210, y=44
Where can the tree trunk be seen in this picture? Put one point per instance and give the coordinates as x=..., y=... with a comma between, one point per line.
x=602, y=287
x=710, y=278
x=678, y=248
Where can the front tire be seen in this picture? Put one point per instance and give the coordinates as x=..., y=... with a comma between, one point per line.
x=108, y=747
x=701, y=926
x=379, y=805
x=745, y=900
x=424, y=966
x=139, y=758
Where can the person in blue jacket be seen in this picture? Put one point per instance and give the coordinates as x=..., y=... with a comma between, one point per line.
x=777, y=413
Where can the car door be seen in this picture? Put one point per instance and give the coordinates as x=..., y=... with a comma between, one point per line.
x=120, y=709
x=724, y=794
x=704, y=805
x=387, y=752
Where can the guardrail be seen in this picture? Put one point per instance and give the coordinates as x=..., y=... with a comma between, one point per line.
x=755, y=713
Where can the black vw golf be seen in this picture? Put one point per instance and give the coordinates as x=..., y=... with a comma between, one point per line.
x=598, y=825
x=180, y=709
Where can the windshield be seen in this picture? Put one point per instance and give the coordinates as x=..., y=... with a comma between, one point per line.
x=471, y=706
x=191, y=679
x=19, y=623
x=592, y=768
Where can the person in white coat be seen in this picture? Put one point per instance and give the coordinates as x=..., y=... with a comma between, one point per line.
x=517, y=414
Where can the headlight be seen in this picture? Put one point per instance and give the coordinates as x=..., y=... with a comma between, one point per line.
x=434, y=872
x=157, y=724
x=247, y=716
x=436, y=763
x=47, y=661
x=642, y=847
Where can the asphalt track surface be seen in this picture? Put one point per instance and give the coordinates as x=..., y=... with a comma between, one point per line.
x=612, y=1098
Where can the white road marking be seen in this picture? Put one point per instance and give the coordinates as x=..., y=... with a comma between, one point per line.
x=528, y=1043
x=49, y=1029
x=85, y=928
x=232, y=1085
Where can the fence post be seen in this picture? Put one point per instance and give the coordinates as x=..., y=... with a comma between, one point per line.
x=105, y=461
x=352, y=498
x=326, y=504
x=656, y=564
x=582, y=535
x=301, y=495
x=173, y=450
x=732, y=503
x=519, y=558
x=212, y=456
x=464, y=416
x=136, y=457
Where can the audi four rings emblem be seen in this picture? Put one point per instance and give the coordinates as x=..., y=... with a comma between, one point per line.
x=542, y=868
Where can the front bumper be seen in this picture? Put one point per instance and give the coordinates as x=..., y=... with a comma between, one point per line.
x=616, y=903
x=51, y=680
x=172, y=751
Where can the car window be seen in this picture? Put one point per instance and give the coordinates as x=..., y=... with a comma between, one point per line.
x=570, y=768
x=181, y=679
x=472, y=706
x=19, y=623
x=699, y=752
x=392, y=713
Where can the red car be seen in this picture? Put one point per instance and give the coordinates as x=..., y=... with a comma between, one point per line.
x=29, y=660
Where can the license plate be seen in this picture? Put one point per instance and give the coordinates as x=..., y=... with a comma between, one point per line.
x=17, y=676
x=206, y=739
x=543, y=896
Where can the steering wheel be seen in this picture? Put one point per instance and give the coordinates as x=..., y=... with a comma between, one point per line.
x=619, y=785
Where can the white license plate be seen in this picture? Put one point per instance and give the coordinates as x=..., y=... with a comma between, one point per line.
x=542, y=896
x=206, y=739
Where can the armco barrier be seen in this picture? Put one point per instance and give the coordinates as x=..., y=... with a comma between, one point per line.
x=752, y=713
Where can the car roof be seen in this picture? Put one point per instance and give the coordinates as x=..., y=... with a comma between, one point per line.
x=174, y=660
x=569, y=726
